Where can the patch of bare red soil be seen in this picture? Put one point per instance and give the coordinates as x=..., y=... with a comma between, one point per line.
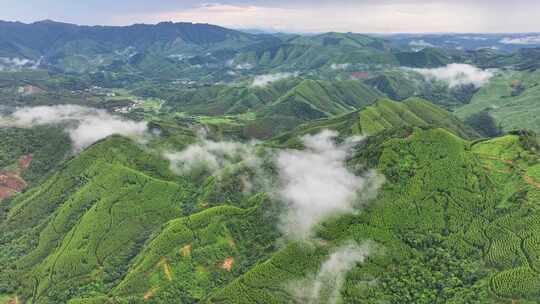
x=32, y=89
x=6, y=192
x=360, y=75
x=147, y=295
x=228, y=263
x=11, y=182
x=14, y=300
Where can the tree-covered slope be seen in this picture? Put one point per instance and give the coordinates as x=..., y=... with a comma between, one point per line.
x=455, y=222
x=54, y=38
x=228, y=99
x=384, y=115
x=457, y=225
x=313, y=52
x=27, y=156
x=312, y=99
x=47, y=146
x=511, y=98
x=85, y=223
x=428, y=58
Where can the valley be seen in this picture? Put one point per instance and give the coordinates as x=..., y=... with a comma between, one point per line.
x=192, y=163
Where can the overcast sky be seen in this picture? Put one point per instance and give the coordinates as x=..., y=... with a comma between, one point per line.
x=367, y=16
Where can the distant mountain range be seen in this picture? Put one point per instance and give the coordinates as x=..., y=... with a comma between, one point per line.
x=169, y=51
x=177, y=162
x=47, y=38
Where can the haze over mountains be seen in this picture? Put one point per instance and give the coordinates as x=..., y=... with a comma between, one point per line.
x=191, y=163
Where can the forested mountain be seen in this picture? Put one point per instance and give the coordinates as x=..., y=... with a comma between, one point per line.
x=190, y=163
x=50, y=38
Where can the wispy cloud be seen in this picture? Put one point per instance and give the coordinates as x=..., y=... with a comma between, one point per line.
x=526, y=40
x=340, y=66
x=16, y=63
x=326, y=286
x=84, y=125
x=420, y=44
x=266, y=79
x=313, y=184
x=456, y=74
x=211, y=156
x=316, y=183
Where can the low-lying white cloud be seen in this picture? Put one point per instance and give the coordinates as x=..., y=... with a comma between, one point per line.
x=525, y=40
x=210, y=155
x=316, y=184
x=244, y=66
x=313, y=184
x=326, y=285
x=458, y=74
x=474, y=38
x=84, y=125
x=340, y=66
x=264, y=80
x=16, y=63
x=420, y=44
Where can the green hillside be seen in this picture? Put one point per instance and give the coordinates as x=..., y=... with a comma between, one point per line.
x=309, y=100
x=52, y=229
x=384, y=115
x=428, y=58
x=395, y=85
x=114, y=225
x=264, y=111
x=47, y=146
x=454, y=222
x=511, y=98
x=272, y=168
x=225, y=99
x=312, y=52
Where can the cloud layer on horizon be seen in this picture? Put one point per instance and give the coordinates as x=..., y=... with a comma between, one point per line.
x=297, y=16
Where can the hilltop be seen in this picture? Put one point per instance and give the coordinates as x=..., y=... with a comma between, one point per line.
x=449, y=212
x=191, y=163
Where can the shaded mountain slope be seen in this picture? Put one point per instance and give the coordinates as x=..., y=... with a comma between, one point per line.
x=312, y=99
